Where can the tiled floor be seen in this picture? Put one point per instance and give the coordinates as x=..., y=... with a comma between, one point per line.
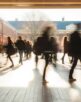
x=24, y=83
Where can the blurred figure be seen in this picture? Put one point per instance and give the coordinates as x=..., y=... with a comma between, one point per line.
x=37, y=49
x=21, y=48
x=29, y=49
x=45, y=48
x=74, y=50
x=9, y=50
x=54, y=49
x=43, y=45
x=65, y=48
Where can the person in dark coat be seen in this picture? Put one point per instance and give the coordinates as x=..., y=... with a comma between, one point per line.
x=74, y=50
x=9, y=50
x=38, y=48
x=45, y=42
x=28, y=49
x=44, y=48
x=21, y=47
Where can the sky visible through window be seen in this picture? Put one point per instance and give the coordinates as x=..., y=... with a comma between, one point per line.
x=41, y=14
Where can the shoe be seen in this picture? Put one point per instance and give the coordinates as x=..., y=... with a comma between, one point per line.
x=54, y=64
x=11, y=66
x=20, y=62
x=44, y=82
x=72, y=79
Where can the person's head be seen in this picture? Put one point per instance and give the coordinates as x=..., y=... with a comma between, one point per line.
x=47, y=31
x=8, y=38
x=65, y=37
x=78, y=26
x=19, y=37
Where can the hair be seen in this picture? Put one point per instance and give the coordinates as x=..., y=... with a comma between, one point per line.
x=9, y=40
x=20, y=37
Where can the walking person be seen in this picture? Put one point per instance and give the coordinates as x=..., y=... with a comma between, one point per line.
x=74, y=50
x=44, y=46
x=21, y=48
x=45, y=49
x=9, y=50
x=37, y=49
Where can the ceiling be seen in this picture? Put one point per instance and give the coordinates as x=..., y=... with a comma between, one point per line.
x=40, y=3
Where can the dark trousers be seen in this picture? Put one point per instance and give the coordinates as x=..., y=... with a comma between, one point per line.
x=75, y=60
x=46, y=64
x=10, y=59
x=21, y=55
x=36, y=60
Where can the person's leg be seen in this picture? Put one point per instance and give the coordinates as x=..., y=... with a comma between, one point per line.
x=6, y=60
x=27, y=55
x=63, y=58
x=30, y=54
x=55, y=59
x=46, y=64
x=72, y=69
x=10, y=60
x=36, y=60
x=50, y=57
x=71, y=61
x=21, y=54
